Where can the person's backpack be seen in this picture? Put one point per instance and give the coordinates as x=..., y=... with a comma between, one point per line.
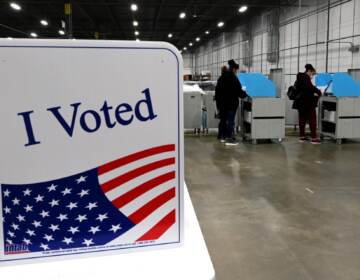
x=293, y=93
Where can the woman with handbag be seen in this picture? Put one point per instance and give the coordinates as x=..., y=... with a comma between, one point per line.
x=306, y=103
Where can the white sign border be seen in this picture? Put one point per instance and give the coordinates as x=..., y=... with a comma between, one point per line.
x=90, y=44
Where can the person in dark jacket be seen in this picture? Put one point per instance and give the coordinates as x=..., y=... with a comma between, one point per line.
x=306, y=103
x=227, y=93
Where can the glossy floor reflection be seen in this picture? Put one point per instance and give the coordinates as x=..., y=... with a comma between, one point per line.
x=273, y=212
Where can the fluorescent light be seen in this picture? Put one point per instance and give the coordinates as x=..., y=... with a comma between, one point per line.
x=61, y=32
x=182, y=15
x=15, y=6
x=44, y=22
x=184, y=48
x=135, y=23
x=137, y=33
x=243, y=9
x=190, y=44
x=207, y=32
x=134, y=7
x=197, y=39
x=170, y=35
x=33, y=34
x=220, y=24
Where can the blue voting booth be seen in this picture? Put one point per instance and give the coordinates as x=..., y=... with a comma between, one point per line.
x=338, y=84
x=262, y=113
x=339, y=106
x=257, y=85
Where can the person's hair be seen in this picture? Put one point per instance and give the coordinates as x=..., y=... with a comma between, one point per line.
x=309, y=67
x=233, y=64
x=223, y=69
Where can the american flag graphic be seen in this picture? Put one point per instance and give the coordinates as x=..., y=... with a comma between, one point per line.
x=129, y=200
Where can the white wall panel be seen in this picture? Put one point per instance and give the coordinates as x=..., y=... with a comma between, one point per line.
x=303, y=31
x=294, y=61
x=320, y=57
x=345, y=58
x=312, y=29
x=287, y=36
x=346, y=19
x=344, y=22
x=295, y=34
x=321, y=27
x=357, y=18
x=335, y=22
x=356, y=56
x=303, y=57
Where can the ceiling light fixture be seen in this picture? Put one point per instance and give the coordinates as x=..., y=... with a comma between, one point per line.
x=184, y=48
x=190, y=44
x=61, y=32
x=243, y=9
x=135, y=23
x=134, y=7
x=170, y=35
x=197, y=39
x=137, y=33
x=33, y=34
x=44, y=22
x=15, y=6
x=10, y=38
x=137, y=40
x=207, y=32
x=182, y=15
x=220, y=24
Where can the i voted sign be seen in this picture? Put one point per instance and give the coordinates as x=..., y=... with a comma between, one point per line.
x=91, y=148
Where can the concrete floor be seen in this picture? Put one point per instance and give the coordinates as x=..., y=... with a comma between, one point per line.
x=277, y=211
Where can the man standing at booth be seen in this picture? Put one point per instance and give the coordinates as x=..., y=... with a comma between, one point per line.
x=227, y=93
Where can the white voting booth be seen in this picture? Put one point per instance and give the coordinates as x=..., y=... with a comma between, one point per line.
x=193, y=102
x=92, y=149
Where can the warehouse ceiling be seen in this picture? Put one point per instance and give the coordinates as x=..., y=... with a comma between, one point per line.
x=111, y=19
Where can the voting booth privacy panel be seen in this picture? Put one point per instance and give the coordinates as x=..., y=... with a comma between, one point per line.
x=91, y=148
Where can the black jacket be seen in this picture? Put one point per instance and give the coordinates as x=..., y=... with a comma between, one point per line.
x=307, y=99
x=228, y=91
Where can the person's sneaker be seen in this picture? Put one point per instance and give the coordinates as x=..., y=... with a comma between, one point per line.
x=303, y=139
x=315, y=141
x=231, y=142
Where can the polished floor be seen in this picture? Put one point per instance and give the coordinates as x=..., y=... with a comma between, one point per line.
x=277, y=211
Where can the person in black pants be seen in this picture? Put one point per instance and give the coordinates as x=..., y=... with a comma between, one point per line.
x=227, y=93
x=306, y=103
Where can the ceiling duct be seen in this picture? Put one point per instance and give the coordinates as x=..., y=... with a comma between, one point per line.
x=273, y=34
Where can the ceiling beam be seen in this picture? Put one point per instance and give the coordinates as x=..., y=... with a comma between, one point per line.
x=177, y=19
x=193, y=23
x=156, y=18
x=147, y=3
x=115, y=21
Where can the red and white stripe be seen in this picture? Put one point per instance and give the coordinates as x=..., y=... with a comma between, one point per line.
x=142, y=187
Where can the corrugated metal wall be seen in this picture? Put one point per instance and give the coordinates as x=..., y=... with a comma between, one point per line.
x=302, y=37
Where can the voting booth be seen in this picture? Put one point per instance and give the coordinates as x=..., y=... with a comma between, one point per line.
x=193, y=103
x=262, y=112
x=209, y=103
x=339, y=116
x=91, y=148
